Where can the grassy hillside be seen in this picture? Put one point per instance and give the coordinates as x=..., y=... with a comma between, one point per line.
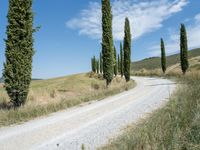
x=48, y=96
x=154, y=62
x=174, y=127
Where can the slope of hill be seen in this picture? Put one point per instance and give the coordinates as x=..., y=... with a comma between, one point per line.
x=154, y=62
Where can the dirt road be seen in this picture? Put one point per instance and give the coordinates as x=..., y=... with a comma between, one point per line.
x=91, y=125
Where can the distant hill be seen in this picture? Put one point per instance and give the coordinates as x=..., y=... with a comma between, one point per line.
x=1, y=79
x=154, y=62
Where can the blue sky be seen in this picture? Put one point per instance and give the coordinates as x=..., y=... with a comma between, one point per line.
x=70, y=31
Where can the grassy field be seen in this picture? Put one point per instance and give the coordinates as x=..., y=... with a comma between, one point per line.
x=47, y=96
x=154, y=62
x=174, y=127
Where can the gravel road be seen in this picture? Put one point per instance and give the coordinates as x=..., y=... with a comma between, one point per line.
x=91, y=125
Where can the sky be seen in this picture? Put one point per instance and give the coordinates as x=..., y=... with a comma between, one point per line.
x=70, y=32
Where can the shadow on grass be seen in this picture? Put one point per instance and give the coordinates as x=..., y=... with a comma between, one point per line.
x=6, y=106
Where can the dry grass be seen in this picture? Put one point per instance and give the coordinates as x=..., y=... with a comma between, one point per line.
x=174, y=127
x=47, y=96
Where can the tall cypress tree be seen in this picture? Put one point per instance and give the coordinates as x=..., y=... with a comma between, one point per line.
x=107, y=41
x=121, y=60
x=93, y=62
x=119, y=64
x=101, y=63
x=163, y=56
x=127, y=50
x=97, y=66
x=94, y=65
x=184, y=49
x=115, y=62
x=19, y=51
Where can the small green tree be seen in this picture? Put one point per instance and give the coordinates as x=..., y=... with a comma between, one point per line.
x=121, y=60
x=184, y=49
x=101, y=63
x=163, y=56
x=107, y=41
x=115, y=62
x=19, y=51
x=127, y=50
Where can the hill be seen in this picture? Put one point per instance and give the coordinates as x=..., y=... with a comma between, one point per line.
x=154, y=62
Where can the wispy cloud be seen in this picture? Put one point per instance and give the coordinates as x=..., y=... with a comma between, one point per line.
x=145, y=17
x=172, y=44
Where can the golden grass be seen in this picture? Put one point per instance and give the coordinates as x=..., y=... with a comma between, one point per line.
x=47, y=96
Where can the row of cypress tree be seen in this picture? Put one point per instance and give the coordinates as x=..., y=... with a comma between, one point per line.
x=183, y=51
x=110, y=65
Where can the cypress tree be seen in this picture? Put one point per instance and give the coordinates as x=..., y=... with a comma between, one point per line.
x=127, y=50
x=184, y=49
x=121, y=60
x=119, y=64
x=94, y=65
x=163, y=56
x=107, y=41
x=101, y=63
x=19, y=51
x=97, y=66
x=115, y=62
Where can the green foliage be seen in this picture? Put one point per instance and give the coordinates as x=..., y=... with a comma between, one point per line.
x=119, y=63
x=101, y=63
x=122, y=60
x=163, y=56
x=127, y=50
x=115, y=62
x=97, y=66
x=19, y=50
x=184, y=49
x=94, y=65
x=107, y=41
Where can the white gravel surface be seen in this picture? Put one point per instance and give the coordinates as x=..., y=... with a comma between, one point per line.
x=91, y=125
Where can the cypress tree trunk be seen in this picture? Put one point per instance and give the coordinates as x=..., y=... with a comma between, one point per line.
x=119, y=64
x=184, y=49
x=163, y=56
x=19, y=51
x=101, y=63
x=122, y=60
x=127, y=50
x=107, y=41
x=115, y=62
